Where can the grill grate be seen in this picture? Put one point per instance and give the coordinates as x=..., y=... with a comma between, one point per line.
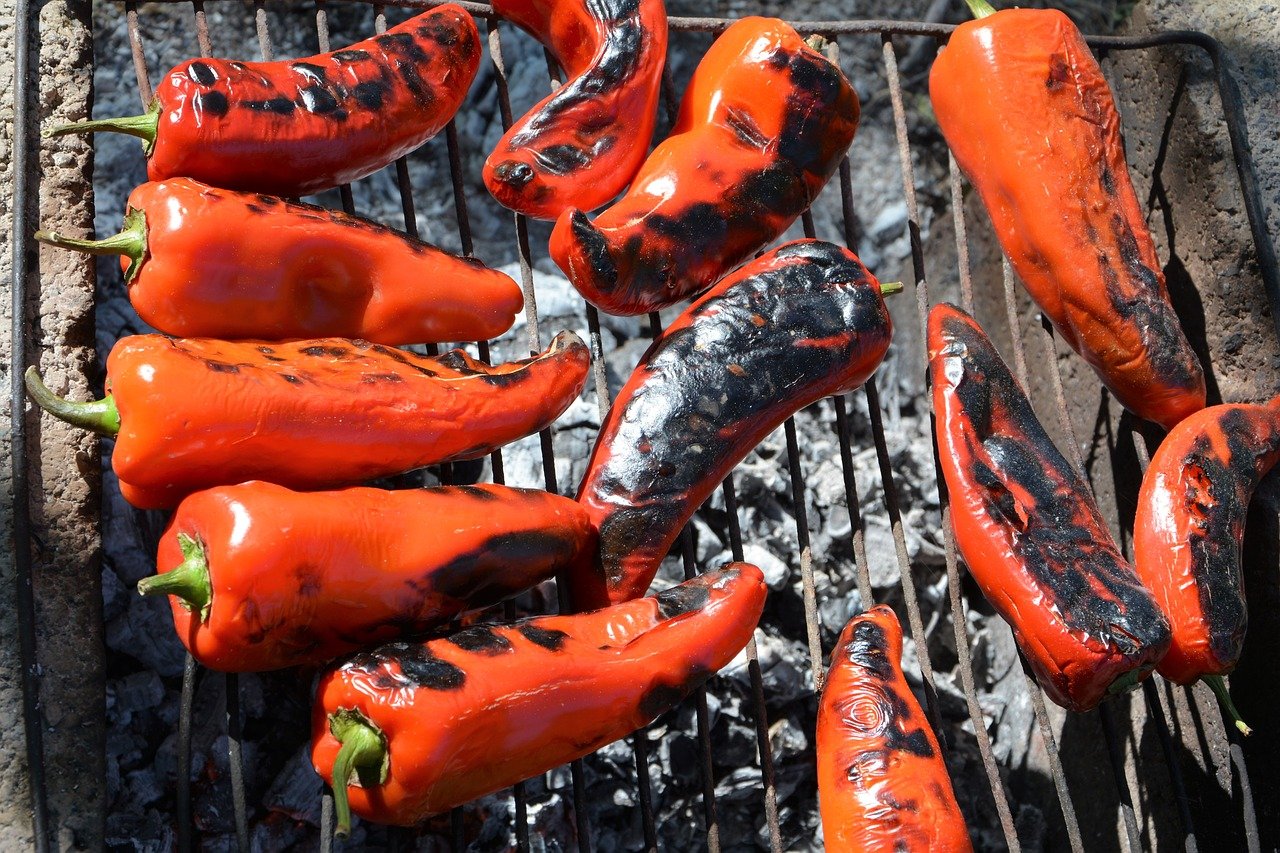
x=1116, y=731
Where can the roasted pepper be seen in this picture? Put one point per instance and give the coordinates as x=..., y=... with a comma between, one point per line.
x=762, y=127
x=882, y=783
x=581, y=145
x=803, y=321
x=1029, y=530
x=303, y=125
x=201, y=262
x=195, y=413
x=409, y=730
x=1028, y=114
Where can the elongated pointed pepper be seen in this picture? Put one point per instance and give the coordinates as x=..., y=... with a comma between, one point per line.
x=409, y=730
x=882, y=784
x=762, y=127
x=299, y=126
x=1188, y=531
x=1028, y=114
x=801, y=322
x=262, y=577
x=582, y=144
x=201, y=262
x=1029, y=530
x=195, y=413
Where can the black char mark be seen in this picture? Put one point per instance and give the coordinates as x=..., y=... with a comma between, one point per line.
x=869, y=649
x=662, y=697
x=481, y=639
x=549, y=638
x=279, y=105
x=202, y=73
x=502, y=566
x=211, y=103
x=418, y=665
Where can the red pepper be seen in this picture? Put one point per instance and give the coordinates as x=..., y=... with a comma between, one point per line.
x=263, y=577
x=190, y=414
x=1031, y=121
x=203, y=262
x=409, y=730
x=582, y=144
x=299, y=126
x=798, y=324
x=1029, y=530
x=882, y=783
x=762, y=127
x=1187, y=534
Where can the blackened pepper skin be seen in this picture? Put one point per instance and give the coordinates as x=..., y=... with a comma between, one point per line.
x=1029, y=530
x=801, y=322
x=762, y=127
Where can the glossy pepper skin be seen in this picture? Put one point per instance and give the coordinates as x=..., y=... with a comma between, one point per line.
x=882, y=783
x=802, y=322
x=196, y=413
x=299, y=126
x=202, y=262
x=762, y=127
x=301, y=578
x=1029, y=530
x=582, y=144
x=1188, y=529
x=478, y=711
x=1028, y=114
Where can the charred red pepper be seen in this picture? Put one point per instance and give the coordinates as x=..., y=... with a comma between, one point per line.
x=263, y=577
x=1029, y=530
x=882, y=783
x=1187, y=534
x=762, y=127
x=1028, y=114
x=190, y=414
x=410, y=730
x=798, y=324
x=581, y=145
x=303, y=125
x=201, y=262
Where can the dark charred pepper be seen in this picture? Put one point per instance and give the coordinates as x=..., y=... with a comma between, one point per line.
x=803, y=321
x=409, y=730
x=762, y=127
x=303, y=125
x=201, y=262
x=581, y=145
x=195, y=413
x=1188, y=530
x=1028, y=114
x=1029, y=530
x=882, y=783
x=263, y=577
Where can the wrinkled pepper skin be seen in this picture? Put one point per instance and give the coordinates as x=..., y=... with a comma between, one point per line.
x=1028, y=114
x=800, y=323
x=1188, y=529
x=301, y=578
x=1029, y=530
x=317, y=414
x=215, y=263
x=762, y=127
x=581, y=145
x=478, y=711
x=882, y=783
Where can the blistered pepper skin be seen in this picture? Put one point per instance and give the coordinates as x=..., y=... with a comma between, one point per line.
x=1029, y=530
x=317, y=414
x=801, y=322
x=485, y=708
x=1031, y=120
x=1188, y=530
x=582, y=144
x=301, y=578
x=762, y=127
x=882, y=783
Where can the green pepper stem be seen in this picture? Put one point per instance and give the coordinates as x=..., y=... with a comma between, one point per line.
x=131, y=242
x=888, y=288
x=1219, y=688
x=980, y=8
x=363, y=750
x=188, y=581
x=144, y=126
x=100, y=416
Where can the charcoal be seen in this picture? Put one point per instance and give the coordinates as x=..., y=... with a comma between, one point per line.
x=297, y=789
